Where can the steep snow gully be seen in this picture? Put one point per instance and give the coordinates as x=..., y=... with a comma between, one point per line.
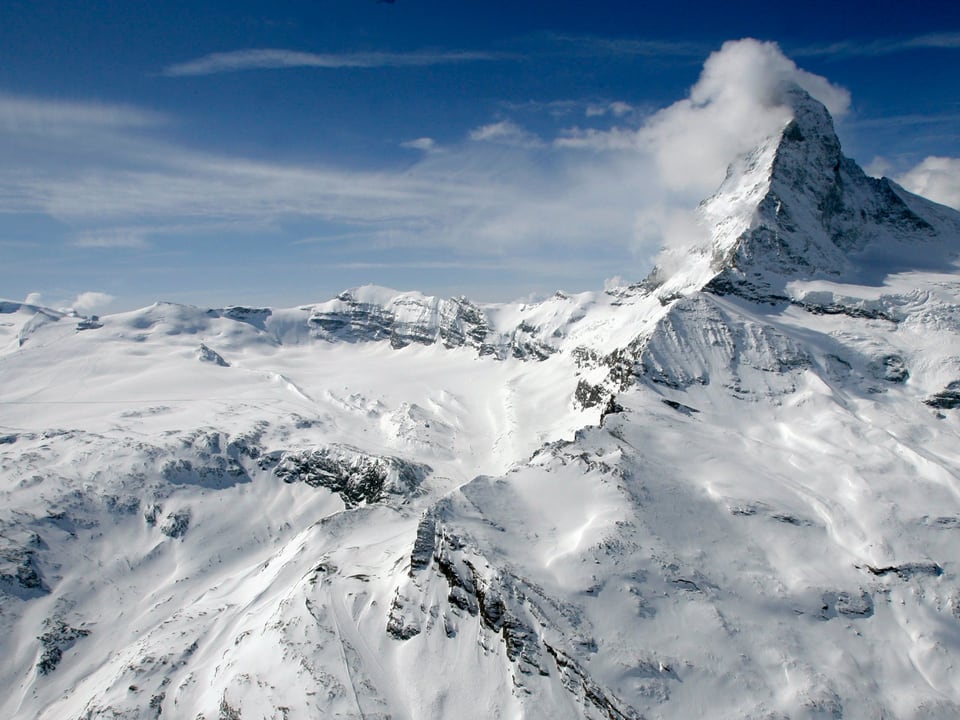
x=729, y=491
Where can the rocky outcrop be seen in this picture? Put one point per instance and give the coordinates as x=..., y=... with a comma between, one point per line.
x=697, y=342
x=208, y=355
x=407, y=318
x=57, y=638
x=19, y=570
x=358, y=478
x=946, y=399
x=376, y=314
x=495, y=598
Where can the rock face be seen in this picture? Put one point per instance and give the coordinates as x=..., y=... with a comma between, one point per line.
x=404, y=319
x=733, y=488
x=357, y=477
x=814, y=213
x=374, y=314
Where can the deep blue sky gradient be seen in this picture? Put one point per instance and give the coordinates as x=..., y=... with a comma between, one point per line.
x=547, y=62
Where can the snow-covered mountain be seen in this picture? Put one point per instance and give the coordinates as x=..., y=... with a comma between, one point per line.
x=729, y=491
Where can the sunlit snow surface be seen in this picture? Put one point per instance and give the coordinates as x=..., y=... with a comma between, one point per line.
x=766, y=525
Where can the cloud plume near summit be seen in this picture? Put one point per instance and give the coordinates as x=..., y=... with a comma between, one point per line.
x=737, y=102
x=580, y=202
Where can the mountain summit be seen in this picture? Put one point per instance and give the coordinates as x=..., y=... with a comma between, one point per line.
x=796, y=208
x=731, y=491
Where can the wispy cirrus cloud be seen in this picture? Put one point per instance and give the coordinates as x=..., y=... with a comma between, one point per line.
x=595, y=45
x=881, y=46
x=614, y=139
x=424, y=144
x=505, y=132
x=111, y=238
x=602, y=195
x=677, y=49
x=20, y=114
x=274, y=59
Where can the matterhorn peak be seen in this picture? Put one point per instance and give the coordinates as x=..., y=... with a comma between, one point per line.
x=795, y=207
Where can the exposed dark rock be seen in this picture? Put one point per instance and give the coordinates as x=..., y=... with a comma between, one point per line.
x=728, y=283
x=205, y=354
x=688, y=585
x=56, y=638
x=151, y=513
x=90, y=323
x=425, y=542
x=576, y=680
x=891, y=368
x=856, y=605
x=587, y=395
x=246, y=444
x=907, y=570
x=219, y=471
x=788, y=519
x=848, y=310
x=454, y=322
x=947, y=399
x=414, y=319
x=176, y=524
x=257, y=317
x=679, y=407
x=471, y=592
x=759, y=508
x=227, y=712
x=611, y=408
x=400, y=624
x=585, y=357
x=357, y=477
x=944, y=521
x=125, y=505
x=18, y=568
x=156, y=704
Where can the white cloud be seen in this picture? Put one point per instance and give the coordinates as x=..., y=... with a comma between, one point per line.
x=736, y=103
x=883, y=46
x=84, y=303
x=878, y=167
x=111, y=238
x=273, y=59
x=616, y=108
x=937, y=178
x=87, y=302
x=612, y=283
x=505, y=133
x=37, y=116
x=676, y=231
x=424, y=143
x=598, y=140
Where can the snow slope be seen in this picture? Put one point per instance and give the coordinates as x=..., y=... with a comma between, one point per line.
x=731, y=492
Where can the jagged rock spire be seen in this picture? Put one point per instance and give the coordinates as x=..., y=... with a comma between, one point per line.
x=796, y=207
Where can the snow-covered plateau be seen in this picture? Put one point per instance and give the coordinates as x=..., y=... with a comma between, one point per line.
x=728, y=491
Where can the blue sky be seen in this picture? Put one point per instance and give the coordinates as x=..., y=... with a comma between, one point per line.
x=278, y=152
